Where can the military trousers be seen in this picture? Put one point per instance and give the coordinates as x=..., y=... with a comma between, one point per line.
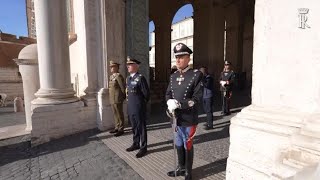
x=226, y=96
x=139, y=128
x=118, y=116
x=207, y=106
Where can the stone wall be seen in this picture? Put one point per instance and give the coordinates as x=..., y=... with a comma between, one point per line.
x=277, y=136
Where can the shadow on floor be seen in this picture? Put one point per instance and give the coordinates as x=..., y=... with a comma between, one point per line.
x=211, y=136
x=210, y=169
x=15, y=152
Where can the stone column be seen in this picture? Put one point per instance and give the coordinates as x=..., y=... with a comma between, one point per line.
x=215, y=38
x=113, y=30
x=163, y=48
x=54, y=64
x=28, y=67
x=278, y=135
x=56, y=112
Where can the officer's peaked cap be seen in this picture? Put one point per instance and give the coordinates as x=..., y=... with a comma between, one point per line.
x=227, y=63
x=181, y=49
x=131, y=60
x=112, y=63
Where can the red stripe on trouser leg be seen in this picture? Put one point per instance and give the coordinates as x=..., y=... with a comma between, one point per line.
x=190, y=138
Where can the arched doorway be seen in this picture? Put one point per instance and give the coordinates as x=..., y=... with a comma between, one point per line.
x=182, y=30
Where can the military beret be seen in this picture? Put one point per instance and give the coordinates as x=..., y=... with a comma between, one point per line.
x=181, y=49
x=112, y=63
x=131, y=60
x=227, y=63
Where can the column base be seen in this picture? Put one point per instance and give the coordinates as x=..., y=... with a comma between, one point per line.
x=57, y=120
x=261, y=142
x=89, y=99
x=54, y=96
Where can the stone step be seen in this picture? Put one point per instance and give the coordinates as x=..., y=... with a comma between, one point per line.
x=14, y=135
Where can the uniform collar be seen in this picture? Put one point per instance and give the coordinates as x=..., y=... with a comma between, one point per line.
x=133, y=74
x=184, y=70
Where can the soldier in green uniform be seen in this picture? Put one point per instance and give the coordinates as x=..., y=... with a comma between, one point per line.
x=116, y=97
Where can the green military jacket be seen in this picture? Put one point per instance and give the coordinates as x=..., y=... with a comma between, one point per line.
x=116, y=89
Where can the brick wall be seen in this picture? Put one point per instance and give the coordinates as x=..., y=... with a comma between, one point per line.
x=11, y=82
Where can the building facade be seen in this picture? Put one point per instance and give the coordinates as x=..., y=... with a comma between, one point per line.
x=182, y=32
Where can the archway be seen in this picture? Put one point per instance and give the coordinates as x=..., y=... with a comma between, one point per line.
x=182, y=30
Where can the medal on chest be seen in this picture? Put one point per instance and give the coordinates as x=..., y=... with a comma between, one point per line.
x=135, y=81
x=180, y=79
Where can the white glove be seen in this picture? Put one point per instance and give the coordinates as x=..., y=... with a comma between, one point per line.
x=172, y=105
x=223, y=83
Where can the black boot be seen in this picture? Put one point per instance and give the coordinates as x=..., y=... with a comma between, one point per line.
x=180, y=171
x=189, y=162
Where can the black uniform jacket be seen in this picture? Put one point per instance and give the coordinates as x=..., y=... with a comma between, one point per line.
x=138, y=94
x=227, y=76
x=186, y=88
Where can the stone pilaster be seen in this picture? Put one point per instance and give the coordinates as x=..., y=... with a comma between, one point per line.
x=200, y=38
x=277, y=136
x=93, y=44
x=137, y=34
x=216, y=28
x=113, y=30
x=163, y=48
x=234, y=42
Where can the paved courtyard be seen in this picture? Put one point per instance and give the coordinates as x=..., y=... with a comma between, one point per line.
x=99, y=155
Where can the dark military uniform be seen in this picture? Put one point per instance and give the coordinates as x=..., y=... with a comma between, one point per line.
x=226, y=89
x=116, y=98
x=138, y=96
x=208, y=98
x=185, y=87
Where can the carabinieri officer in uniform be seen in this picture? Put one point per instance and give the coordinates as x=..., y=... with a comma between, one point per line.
x=138, y=96
x=183, y=94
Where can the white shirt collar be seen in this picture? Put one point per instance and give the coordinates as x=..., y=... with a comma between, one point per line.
x=132, y=74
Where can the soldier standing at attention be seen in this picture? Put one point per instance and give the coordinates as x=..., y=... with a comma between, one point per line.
x=207, y=82
x=117, y=96
x=183, y=94
x=138, y=96
x=226, y=82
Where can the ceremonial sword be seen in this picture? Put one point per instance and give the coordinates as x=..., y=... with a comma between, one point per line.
x=174, y=127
